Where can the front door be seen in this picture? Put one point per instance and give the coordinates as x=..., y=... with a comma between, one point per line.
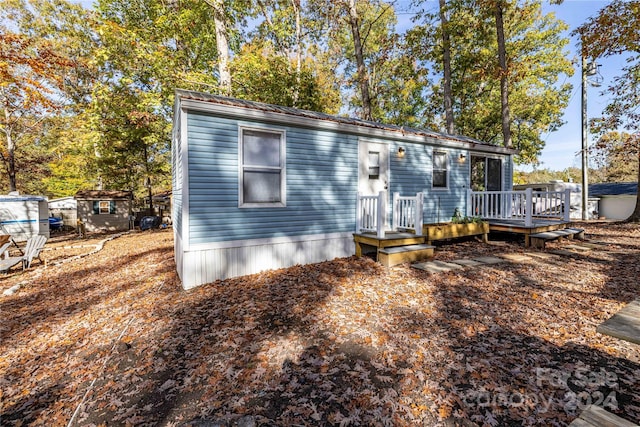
x=373, y=169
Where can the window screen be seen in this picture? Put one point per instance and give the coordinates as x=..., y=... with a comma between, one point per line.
x=262, y=175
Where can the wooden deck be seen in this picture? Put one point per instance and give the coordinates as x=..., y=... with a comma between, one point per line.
x=595, y=416
x=625, y=324
x=394, y=248
x=519, y=227
x=391, y=239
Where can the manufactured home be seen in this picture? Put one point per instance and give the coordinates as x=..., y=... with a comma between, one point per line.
x=258, y=186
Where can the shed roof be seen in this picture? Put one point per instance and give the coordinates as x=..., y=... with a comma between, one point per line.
x=613, y=189
x=314, y=115
x=103, y=194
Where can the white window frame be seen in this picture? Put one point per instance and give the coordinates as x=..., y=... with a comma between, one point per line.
x=446, y=170
x=282, y=168
x=101, y=210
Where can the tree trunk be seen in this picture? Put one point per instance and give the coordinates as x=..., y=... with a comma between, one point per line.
x=296, y=92
x=504, y=83
x=222, y=43
x=10, y=157
x=363, y=78
x=635, y=216
x=446, y=51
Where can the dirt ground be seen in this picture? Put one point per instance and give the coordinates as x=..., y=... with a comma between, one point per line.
x=111, y=338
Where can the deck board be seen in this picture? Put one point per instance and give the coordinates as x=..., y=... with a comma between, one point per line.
x=625, y=324
x=595, y=416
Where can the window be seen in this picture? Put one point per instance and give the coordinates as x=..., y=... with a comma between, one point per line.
x=374, y=165
x=101, y=207
x=440, y=170
x=262, y=171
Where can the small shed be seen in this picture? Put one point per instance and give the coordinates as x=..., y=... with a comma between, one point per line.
x=65, y=208
x=104, y=210
x=24, y=216
x=617, y=199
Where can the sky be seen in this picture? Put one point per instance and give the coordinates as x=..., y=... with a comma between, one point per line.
x=562, y=148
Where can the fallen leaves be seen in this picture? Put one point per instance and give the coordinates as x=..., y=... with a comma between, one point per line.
x=345, y=342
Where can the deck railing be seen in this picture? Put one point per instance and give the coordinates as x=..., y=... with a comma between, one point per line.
x=372, y=213
x=407, y=212
x=521, y=205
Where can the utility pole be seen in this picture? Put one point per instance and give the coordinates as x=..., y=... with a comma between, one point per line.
x=585, y=153
x=588, y=69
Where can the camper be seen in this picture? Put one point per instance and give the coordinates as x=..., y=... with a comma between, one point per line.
x=24, y=216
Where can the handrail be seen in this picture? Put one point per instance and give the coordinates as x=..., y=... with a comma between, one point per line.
x=372, y=213
x=523, y=205
x=407, y=212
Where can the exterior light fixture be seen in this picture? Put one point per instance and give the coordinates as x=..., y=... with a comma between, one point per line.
x=462, y=157
x=401, y=151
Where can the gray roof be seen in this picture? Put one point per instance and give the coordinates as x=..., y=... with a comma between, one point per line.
x=103, y=194
x=613, y=189
x=234, y=102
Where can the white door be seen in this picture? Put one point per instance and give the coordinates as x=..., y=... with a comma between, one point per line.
x=373, y=169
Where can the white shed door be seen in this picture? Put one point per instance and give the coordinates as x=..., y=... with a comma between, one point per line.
x=373, y=169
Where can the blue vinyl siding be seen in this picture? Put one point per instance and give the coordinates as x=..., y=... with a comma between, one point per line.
x=177, y=174
x=413, y=173
x=321, y=185
x=507, y=177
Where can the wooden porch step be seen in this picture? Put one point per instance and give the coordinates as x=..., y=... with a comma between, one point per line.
x=399, y=254
x=538, y=240
x=595, y=416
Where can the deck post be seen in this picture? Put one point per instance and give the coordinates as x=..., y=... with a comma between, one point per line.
x=528, y=213
x=395, y=211
x=469, y=207
x=381, y=219
x=419, y=210
x=567, y=205
x=359, y=213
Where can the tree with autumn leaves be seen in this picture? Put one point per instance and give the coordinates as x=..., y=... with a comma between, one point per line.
x=615, y=31
x=31, y=76
x=94, y=88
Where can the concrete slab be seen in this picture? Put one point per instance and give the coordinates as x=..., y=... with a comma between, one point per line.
x=436, y=266
x=489, y=260
x=467, y=262
x=579, y=248
x=515, y=257
x=564, y=252
x=593, y=245
x=541, y=255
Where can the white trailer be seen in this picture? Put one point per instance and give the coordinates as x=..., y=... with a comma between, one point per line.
x=23, y=216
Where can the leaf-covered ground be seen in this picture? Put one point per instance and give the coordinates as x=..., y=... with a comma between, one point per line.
x=112, y=339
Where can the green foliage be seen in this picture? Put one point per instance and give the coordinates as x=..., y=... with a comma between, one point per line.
x=615, y=153
x=260, y=74
x=536, y=61
x=538, y=176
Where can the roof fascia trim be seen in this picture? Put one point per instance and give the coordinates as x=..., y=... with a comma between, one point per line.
x=283, y=118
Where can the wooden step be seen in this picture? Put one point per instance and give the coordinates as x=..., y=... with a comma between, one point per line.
x=538, y=240
x=595, y=416
x=399, y=254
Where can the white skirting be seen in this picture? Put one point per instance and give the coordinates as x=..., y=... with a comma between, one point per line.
x=208, y=263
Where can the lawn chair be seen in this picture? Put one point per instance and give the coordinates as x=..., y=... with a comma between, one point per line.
x=3, y=248
x=31, y=251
